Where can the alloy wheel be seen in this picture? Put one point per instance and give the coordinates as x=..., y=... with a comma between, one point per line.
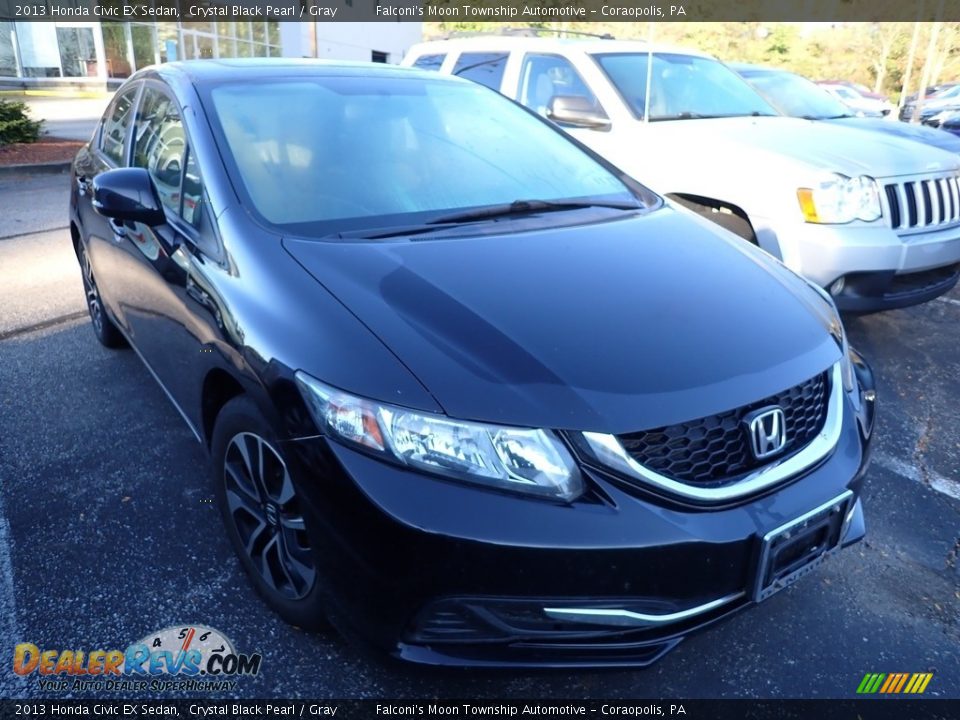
x=264, y=508
x=93, y=295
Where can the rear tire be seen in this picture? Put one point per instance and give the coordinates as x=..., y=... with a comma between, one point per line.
x=103, y=327
x=263, y=515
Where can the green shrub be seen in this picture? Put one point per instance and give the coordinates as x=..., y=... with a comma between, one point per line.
x=15, y=125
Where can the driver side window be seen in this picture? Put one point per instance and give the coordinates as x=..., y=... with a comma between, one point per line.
x=544, y=77
x=160, y=145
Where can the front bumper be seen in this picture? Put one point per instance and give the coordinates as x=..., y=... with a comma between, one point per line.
x=442, y=573
x=881, y=270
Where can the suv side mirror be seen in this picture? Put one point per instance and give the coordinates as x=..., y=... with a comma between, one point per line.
x=127, y=194
x=578, y=111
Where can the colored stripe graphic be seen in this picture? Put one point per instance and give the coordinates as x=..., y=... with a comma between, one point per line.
x=894, y=683
x=903, y=681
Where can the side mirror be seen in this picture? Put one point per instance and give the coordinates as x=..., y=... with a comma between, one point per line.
x=578, y=111
x=127, y=194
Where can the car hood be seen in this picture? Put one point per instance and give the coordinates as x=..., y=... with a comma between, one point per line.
x=936, y=106
x=822, y=146
x=921, y=133
x=608, y=327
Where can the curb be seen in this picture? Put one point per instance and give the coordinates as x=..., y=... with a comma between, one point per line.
x=36, y=168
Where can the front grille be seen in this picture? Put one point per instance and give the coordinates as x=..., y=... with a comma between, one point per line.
x=924, y=203
x=716, y=449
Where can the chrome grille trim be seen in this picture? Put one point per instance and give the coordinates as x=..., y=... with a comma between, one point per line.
x=611, y=453
x=921, y=204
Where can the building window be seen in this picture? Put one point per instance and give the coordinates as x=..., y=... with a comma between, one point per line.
x=115, y=50
x=39, y=51
x=8, y=56
x=378, y=56
x=144, y=50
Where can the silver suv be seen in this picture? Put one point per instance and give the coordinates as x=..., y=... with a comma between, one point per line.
x=874, y=219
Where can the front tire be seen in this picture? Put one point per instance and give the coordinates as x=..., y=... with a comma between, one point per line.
x=263, y=514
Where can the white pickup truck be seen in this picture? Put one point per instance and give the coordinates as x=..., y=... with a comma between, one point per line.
x=874, y=219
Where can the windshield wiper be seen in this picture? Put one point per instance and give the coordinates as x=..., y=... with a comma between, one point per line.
x=520, y=207
x=517, y=207
x=690, y=115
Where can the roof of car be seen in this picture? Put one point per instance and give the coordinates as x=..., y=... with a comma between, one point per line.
x=543, y=44
x=204, y=71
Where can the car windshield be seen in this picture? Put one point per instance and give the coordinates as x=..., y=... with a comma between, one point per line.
x=796, y=96
x=681, y=86
x=330, y=153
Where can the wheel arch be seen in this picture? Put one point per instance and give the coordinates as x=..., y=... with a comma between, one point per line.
x=219, y=388
x=710, y=208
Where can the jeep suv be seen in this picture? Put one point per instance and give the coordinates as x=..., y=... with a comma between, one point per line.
x=874, y=219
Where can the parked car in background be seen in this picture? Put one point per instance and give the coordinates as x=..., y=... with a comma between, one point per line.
x=468, y=391
x=796, y=96
x=860, y=103
x=949, y=121
x=859, y=88
x=858, y=213
x=931, y=91
x=944, y=101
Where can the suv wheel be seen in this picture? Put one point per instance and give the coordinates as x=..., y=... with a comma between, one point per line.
x=263, y=514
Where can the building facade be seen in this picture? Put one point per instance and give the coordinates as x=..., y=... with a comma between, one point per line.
x=38, y=54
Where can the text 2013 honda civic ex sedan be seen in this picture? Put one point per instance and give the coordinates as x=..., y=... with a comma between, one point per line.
x=468, y=391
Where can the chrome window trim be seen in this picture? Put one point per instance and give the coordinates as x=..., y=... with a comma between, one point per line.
x=611, y=453
x=619, y=617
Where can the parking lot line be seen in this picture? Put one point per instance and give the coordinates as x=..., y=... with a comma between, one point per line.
x=937, y=482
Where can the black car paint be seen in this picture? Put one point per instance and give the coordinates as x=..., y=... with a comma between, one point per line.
x=622, y=325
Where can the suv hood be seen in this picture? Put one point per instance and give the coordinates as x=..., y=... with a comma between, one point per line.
x=608, y=327
x=823, y=146
x=907, y=131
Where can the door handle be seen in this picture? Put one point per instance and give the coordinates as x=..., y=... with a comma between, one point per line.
x=83, y=184
x=119, y=229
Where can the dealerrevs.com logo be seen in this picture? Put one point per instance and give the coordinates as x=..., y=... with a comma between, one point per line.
x=181, y=657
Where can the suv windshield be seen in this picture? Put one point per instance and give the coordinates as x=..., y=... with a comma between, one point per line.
x=796, y=96
x=681, y=87
x=332, y=153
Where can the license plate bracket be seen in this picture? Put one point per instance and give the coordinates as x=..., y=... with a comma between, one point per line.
x=792, y=550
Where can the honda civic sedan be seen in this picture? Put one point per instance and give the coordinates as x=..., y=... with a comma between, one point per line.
x=469, y=392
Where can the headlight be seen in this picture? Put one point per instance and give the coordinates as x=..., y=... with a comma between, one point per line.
x=523, y=460
x=840, y=335
x=838, y=199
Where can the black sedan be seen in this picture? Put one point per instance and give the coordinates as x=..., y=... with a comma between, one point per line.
x=469, y=392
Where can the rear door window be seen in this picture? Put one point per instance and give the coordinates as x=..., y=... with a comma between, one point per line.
x=485, y=68
x=114, y=132
x=429, y=62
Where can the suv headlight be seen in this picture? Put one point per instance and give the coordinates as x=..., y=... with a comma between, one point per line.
x=522, y=460
x=839, y=199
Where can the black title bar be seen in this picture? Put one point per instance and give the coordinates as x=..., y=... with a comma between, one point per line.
x=874, y=709
x=515, y=12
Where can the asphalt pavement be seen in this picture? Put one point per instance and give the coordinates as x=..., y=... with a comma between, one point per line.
x=107, y=532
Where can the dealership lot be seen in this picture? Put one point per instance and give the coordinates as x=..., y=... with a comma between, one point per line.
x=107, y=533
